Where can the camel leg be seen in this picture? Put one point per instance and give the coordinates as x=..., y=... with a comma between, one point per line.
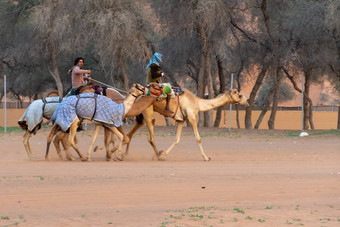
x=130, y=134
x=121, y=138
x=72, y=133
x=50, y=138
x=65, y=145
x=26, y=142
x=193, y=123
x=94, y=137
x=180, y=125
x=150, y=122
x=126, y=140
x=108, y=138
x=56, y=143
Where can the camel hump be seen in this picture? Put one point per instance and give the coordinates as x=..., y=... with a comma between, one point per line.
x=53, y=93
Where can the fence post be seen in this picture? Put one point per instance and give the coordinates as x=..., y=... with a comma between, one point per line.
x=5, y=107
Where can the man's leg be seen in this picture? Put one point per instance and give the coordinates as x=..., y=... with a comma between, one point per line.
x=167, y=108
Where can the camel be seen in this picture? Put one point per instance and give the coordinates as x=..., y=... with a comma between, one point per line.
x=32, y=119
x=132, y=108
x=185, y=107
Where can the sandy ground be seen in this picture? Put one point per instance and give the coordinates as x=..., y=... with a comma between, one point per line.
x=255, y=178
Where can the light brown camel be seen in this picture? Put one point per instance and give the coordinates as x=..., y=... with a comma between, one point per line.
x=185, y=107
x=32, y=119
x=131, y=109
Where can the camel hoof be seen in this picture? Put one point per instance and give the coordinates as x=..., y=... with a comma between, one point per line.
x=83, y=159
x=89, y=159
x=121, y=158
x=207, y=159
x=70, y=158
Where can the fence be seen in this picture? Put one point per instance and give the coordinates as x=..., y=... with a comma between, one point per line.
x=328, y=108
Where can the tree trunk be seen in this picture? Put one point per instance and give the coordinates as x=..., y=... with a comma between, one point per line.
x=222, y=90
x=264, y=108
x=308, y=112
x=252, y=97
x=238, y=89
x=124, y=72
x=306, y=97
x=208, y=120
x=338, y=126
x=200, y=85
x=276, y=94
x=54, y=71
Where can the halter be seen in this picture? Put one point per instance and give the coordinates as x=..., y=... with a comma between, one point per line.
x=142, y=90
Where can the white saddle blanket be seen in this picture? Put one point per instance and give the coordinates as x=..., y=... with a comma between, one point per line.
x=36, y=111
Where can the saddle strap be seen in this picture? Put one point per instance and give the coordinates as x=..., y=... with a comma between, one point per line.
x=45, y=102
x=176, y=106
x=95, y=104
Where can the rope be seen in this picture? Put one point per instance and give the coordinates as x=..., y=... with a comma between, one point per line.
x=109, y=86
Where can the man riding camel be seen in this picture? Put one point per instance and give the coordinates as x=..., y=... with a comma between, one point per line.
x=154, y=74
x=78, y=78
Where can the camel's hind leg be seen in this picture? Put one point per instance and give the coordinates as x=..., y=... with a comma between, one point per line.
x=26, y=142
x=180, y=125
x=72, y=134
x=56, y=141
x=60, y=138
x=50, y=138
x=94, y=137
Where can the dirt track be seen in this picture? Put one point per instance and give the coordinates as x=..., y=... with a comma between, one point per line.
x=255, y=178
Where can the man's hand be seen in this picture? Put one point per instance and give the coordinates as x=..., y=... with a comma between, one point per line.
x=87, y=79
x=88, y=71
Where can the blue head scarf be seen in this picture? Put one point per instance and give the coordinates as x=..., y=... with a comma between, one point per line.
x=156, y=58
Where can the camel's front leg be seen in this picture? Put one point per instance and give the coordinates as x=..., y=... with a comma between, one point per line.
x=94, y=137
x=180, y=125
x=72, y=134
x=193, y=123
x=118, y=151
x=26, y=142
x=130, y=134
x=150, y=122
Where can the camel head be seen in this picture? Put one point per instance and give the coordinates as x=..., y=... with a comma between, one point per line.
x=137, y=90
x=237, y=98
x=155, y=89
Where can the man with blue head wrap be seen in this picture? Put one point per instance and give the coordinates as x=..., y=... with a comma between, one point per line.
x=154, y=75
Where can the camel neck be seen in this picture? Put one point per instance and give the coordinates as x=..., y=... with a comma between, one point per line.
x=209, y=104
x=128, y=102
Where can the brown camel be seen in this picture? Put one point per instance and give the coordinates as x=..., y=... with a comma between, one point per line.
x=141, y=104
x=131, y=109
x=32, y=119
x=185, y=107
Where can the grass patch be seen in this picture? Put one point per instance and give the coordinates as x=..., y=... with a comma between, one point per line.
x=10, y=129
x=239, y=210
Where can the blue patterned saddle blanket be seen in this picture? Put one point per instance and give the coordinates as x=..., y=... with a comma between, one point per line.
x=88, y=106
